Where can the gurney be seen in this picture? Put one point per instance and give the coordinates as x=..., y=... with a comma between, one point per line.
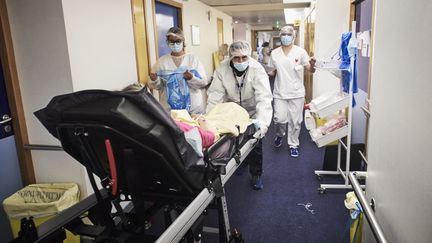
x=143, y=161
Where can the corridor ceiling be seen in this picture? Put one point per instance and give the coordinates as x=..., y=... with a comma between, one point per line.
x=257, y=12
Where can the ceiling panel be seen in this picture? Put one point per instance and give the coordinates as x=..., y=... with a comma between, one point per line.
x=237, y=2
x=260, y=18
x=257, y=12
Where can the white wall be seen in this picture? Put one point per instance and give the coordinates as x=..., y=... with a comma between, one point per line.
x=242, y=32
x=42, y=61
x=399, y=150
x=101, y=43
x=195, y=13
x=64, y=48
x=332, y=18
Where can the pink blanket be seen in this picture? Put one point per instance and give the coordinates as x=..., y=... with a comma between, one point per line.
x=207, y=137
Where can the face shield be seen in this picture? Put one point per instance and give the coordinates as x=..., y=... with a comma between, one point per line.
x=175, y=39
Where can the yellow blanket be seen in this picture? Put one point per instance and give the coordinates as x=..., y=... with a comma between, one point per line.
x=222, y=119
x=225, y=116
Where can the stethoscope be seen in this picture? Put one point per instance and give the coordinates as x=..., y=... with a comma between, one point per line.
x=240, y=85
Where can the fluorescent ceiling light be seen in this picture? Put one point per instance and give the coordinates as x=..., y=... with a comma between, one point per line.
x=297, y=1
x=292, y=14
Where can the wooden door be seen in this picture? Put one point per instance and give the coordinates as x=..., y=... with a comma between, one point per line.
x=220, y=32
x=309, y=47
x=141, y=42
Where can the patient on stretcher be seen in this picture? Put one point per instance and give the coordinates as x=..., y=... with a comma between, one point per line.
x=201, y=131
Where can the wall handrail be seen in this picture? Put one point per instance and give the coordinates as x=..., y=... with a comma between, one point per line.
x=367, y=209
x=42, y=147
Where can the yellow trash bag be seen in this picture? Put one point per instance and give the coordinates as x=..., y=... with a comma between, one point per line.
x=41, y=201
x=356, y=215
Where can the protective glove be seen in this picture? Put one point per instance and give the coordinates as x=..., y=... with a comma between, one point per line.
x=261, y=129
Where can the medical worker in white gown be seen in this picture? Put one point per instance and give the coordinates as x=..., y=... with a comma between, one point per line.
x=244, y=81
x=289, y=62
x=183, y=64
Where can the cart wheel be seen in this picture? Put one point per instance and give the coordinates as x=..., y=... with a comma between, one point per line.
x=321, y=190
x=319, y=177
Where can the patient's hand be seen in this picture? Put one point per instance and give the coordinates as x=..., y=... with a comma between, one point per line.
x=153, y=76
x=196, y=116
x=206, y=124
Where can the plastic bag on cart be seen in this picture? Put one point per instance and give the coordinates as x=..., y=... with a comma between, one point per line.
x=348, y=49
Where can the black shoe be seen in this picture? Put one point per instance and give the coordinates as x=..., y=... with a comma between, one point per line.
x=256, y=182
x=278, y=142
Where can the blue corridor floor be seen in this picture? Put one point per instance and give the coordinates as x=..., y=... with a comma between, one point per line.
x=277, y=213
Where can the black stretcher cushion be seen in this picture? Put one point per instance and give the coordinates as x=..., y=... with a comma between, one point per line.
x=152, y=155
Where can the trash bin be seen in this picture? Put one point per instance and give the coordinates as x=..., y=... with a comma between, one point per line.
x=41, y=201
x=356, y=217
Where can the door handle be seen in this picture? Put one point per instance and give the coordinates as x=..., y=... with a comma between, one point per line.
x=5, y=119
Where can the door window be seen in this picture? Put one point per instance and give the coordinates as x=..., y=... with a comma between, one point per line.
x=167, y=16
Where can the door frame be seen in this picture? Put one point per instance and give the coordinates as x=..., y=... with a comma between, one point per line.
x=220, y=20
x=171, y=3
x=142, y=53
x=254, y=35
x=309, y=46
x=353, y=4
x=7, y=57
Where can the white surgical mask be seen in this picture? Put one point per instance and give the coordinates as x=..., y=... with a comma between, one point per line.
x=176, y=47
x=286, y=40
x=241, y=66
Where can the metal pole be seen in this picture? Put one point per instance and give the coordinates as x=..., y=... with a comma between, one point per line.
x=42, y=147
x=370, y=215
x=351, y=95
x=184, y=221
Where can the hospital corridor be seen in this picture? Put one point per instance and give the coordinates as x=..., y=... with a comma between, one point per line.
x=204, y=121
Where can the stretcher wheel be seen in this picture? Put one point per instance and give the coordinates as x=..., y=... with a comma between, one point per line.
x=321, y=190
x=319, y=177
x=236, y=236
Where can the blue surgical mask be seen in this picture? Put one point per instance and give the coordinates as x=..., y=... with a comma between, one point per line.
x=286, y=40
x=241, y=66
x=176, y=47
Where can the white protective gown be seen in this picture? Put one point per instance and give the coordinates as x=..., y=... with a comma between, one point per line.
x=289, y=77
x=289, y=92
x=256, y=94
x=166, y=63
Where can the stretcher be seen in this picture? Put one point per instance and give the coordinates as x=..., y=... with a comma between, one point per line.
x=144, y=164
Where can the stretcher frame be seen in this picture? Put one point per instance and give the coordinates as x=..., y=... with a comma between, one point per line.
x=53, y=229
x=182, y=224
x=97, y=133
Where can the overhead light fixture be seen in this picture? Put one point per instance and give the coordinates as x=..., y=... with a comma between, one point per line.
x=293, y=14
x=297, y=1
x=236, y=22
